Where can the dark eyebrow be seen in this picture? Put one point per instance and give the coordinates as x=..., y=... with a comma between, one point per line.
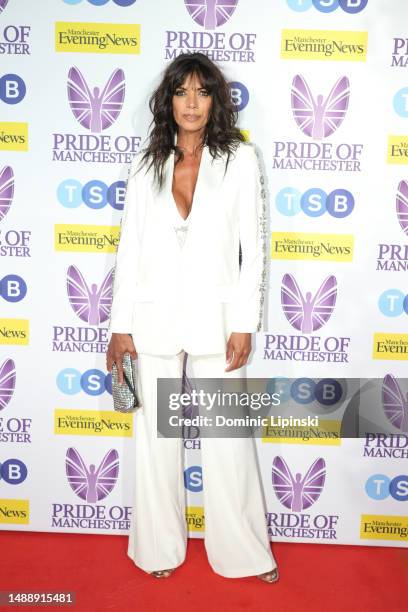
x=184, y=89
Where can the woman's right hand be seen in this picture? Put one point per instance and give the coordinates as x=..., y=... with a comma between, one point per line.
x=118, y=346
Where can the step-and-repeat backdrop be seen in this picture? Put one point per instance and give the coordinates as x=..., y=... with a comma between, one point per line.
x=321, y=87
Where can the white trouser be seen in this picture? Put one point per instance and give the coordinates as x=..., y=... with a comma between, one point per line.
x=236, y=537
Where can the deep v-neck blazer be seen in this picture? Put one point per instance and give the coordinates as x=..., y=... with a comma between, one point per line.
x=192, y=297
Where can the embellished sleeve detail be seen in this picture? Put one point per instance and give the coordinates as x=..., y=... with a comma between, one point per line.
x=263, y=236
x=249, y=304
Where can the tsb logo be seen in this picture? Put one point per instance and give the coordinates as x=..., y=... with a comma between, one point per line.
x=400, y=102
x=239, y=95
x=380, y=486
x=393, y=303
x=326, y=391
x=193, y=478
x=12, y=89
x=94, y=194
x=314, y=202
x=13, y=471
x=13, y=288
x=328, y=6
x=102, y=2
x=92, y=382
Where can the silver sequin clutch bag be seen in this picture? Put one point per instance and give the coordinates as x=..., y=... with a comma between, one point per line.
x=125, y=398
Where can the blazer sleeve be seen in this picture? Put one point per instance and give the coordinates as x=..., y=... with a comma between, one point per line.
x=249, y=303
x=126, y=259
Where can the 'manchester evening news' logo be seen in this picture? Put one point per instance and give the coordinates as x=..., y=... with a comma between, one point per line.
x=312, y=247
x=13, y=136
x=395, y=404
x=307, y=313
x=92, y=485
x=92, y=306
x=394, y=257
x=116, y=38
x=96, y=109
x=218, y=45
x=324, y=45
x=318, y=117
x=297, y=493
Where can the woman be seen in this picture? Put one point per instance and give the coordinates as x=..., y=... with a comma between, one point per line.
x=190, y=279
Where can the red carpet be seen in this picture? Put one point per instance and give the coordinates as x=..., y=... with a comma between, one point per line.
x=315, y=577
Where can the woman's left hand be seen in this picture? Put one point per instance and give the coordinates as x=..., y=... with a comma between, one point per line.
x=238, y=350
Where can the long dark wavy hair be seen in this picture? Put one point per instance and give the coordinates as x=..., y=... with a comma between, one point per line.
x=221, y=134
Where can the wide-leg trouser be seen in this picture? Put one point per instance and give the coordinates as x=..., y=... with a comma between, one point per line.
x=236, y=537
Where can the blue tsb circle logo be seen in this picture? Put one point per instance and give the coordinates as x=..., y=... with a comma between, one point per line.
x=193, y=478
x=94, y=194
x=13, y=471
x=393, y=303
x=13, y=288
x=12, y=88
x=328, y=6
x=102, y=2
x=239, y=95
x=92, y=382
x=380, y=486
x=314, y=202
x=400, y=102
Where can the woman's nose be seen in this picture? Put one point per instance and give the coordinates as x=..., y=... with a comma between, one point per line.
x=191, y=99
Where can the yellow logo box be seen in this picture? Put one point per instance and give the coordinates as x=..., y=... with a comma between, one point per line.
x=384, y=527
x=397, y=151
x=15, y=511
x=312, y=247
x=195, y=518
x=327, y=434
x=390, y=346
x=93, y=423
x=14, y=331
x=86, y=238
x=13, y=136
x=326, y=45
x=123, y=38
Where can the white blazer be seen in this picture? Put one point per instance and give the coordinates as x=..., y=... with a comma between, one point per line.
x=171, y=298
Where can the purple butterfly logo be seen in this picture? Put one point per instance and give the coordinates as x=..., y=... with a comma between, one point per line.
x=308, y=314
x=3, y=4
x=91, y=305
x=297, y=493
x=96, y=111
x=7, y=382
x=210, y=14
x=319, y=118
x=6, y=190
x=90, y=484
x=402, y=205
x=394, y=403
